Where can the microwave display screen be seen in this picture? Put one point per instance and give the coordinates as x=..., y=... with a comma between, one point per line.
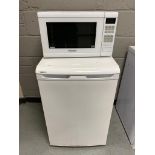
x=110, y=20
x=71, y=34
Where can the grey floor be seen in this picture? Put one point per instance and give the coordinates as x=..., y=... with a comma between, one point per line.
x=34, y=140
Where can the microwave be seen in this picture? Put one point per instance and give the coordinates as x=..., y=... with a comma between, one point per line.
x=77, y=33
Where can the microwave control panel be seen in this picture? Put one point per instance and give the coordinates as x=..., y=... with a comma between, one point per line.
x=109, y=31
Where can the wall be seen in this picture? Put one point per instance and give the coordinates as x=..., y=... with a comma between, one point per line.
x=20, y=91
x=30, y=45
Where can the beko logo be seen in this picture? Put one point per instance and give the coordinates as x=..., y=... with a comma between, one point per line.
x=72, y=50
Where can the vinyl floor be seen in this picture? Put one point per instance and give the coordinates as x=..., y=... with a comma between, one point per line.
x=34, y=140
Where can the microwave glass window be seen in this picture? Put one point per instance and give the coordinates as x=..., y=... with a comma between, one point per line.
x=71, y=35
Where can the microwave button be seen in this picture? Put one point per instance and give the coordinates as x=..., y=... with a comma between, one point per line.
x=109, y=31
x=113, y=27
x=108, y=38
x=107, y=27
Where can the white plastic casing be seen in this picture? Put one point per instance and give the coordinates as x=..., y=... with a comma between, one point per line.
x=105, y=33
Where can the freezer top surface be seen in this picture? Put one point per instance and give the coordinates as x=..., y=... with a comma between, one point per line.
x=77, y=66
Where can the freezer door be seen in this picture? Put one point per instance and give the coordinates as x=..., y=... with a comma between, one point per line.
x=77, y=112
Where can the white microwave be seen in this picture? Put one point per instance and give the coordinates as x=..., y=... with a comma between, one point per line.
x=77, y=33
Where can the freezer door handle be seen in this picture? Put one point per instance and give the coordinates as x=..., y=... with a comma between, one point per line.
x=77, y=77
x=90, y=77
x=61, y=77
x=100, y=76
x=51, y=77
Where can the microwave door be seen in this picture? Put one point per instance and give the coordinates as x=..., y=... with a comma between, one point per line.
x=71, y=37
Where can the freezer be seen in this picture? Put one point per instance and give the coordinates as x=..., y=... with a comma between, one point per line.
x=77, y=96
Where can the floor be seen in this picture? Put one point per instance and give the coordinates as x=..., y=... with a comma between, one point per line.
x=34, y=140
